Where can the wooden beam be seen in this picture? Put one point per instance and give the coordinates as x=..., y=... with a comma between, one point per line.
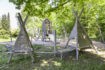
x=25, y=20
x=20, y=19
x=81, y=13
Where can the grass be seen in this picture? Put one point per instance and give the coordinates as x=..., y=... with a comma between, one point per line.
x=87, y=61
x=6, y=40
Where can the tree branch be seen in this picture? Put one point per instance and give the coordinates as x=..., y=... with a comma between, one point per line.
x=81, y=12
x=52, y=9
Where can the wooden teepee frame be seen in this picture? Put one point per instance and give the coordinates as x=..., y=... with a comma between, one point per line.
x=22, y=44
x=78, y=33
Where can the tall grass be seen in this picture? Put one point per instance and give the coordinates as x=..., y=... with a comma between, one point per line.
x=87, y=61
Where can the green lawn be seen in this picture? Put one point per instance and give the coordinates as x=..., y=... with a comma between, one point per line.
x=6, y=40
x=87, y=61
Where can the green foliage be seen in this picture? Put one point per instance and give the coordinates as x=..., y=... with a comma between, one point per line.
x=15, y=33
x=5, y=22
x=5, y=26
x=61, y=14
x=4, y=34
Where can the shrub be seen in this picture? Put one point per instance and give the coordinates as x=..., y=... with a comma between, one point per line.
x=15, y=33
x=4, y=34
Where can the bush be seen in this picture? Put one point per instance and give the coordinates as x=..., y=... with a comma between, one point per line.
x=4, y=34
x=15, y=33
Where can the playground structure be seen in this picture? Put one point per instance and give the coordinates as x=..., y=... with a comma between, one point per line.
x=77, y=40
x=48, y=37
x=46, y=30
x=78, y=36
x=22, y=44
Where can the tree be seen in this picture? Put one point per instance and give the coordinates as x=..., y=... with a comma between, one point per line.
x=5, y=22
x=61, y=12
x=8, y=25
x=5, y=26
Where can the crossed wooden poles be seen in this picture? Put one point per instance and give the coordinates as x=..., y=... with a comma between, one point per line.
x=23, y=44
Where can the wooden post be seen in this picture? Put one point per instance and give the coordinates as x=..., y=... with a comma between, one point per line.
x=77, y=44
x=10, y=36
x=10, y=57
x=54, y=32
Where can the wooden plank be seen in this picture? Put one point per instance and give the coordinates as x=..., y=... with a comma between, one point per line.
x=66, y=49
x=46, y=52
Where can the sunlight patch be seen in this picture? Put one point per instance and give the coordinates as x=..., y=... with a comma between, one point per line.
x=44, y=63
x=56, y=63
x=102, y=54
x=35, y=69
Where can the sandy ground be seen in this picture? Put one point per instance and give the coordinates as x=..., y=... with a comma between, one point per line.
x=98, y=45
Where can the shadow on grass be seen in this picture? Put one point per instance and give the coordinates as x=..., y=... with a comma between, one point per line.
x=87, y=61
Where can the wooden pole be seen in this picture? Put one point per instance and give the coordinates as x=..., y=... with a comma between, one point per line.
x=54, y=42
